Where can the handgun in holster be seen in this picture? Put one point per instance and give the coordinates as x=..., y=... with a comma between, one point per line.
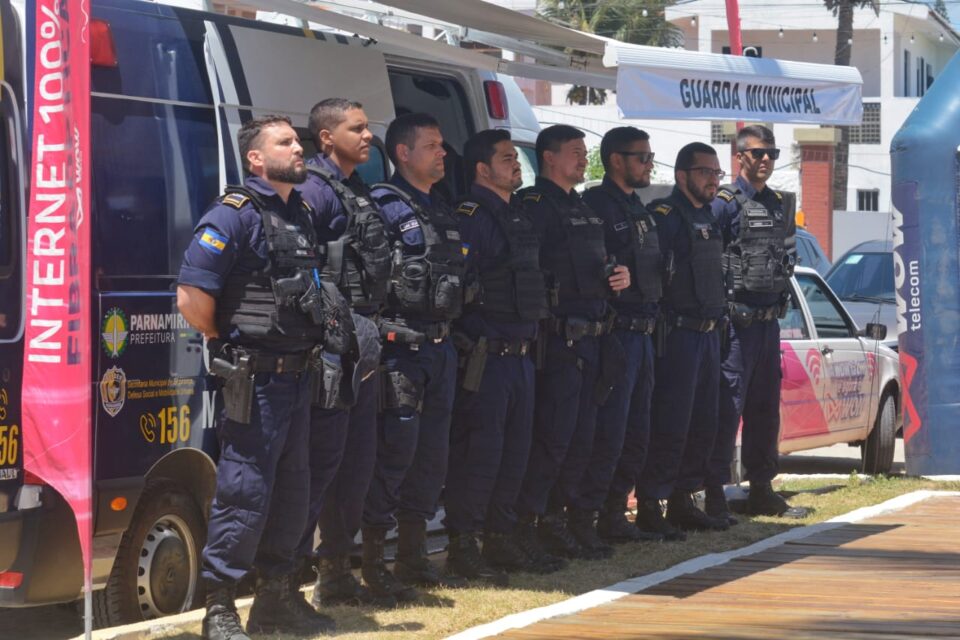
x=399, y=332
x=301, y=290
x=785, y=299
x=237, y=385
x=476, y=363
x=327, y=376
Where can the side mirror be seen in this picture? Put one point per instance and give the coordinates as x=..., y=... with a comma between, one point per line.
x=875, y=331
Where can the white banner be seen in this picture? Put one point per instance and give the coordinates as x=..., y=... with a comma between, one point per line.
x=684, y=94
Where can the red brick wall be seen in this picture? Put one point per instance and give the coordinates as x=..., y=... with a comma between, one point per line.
x=816, y=180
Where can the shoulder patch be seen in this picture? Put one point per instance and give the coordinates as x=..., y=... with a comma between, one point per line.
x=235, y=200
x=663, y=209
x=468, y=208
x=725, y=195
x=533, y=196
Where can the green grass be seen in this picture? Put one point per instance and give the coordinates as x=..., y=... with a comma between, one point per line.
x=445, y=612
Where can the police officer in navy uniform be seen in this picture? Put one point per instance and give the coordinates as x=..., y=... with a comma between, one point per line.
x=343, y=442
x=687, y=369
x=249, y=282
x=758, y=233
x=493, y=414
x=420, y=362
x=572, y=251
x=623, y=421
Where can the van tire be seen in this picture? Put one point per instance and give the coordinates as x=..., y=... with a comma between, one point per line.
x=157, y=568
x=877, y=451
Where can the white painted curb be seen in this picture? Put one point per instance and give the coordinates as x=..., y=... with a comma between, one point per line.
x=635, y=585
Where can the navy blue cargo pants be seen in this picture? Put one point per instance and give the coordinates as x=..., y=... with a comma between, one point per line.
x=413, y=444
x=489, y=447
x=343, y=447
x=623, y=427
x=749, y=388
x=683, y=420
x=259, y=511
x=565, y=416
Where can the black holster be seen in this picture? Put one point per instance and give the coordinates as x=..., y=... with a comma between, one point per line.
x=476, y=362
x=237, y=378
x=400, y=392
x=613, y=362
x=327, y=377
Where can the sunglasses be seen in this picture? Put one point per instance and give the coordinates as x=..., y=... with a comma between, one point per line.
x=758, y=154
x=643, y=156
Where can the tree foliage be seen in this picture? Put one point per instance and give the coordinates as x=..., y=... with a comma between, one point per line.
x=941, y=7
x=622, y=20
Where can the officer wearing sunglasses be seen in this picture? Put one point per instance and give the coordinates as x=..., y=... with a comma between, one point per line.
x=759, y=255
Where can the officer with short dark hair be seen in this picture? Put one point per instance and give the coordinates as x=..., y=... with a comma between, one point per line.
x=623, y=421
x=420, y=362
x=493, y=413
x=687, y=367
x=343, y=442
x=758, y=232
x=250, y=283
x=573, y=253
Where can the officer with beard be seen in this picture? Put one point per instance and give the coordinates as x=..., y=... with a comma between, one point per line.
x=623, y=421
x=758, y=232
x=250, y=283
x=687, y=367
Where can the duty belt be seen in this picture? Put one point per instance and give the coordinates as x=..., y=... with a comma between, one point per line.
x=743, y=314
x=573, y=328
x=764, y=314
x=508, y=347
x=640, y=325
x=435, y=332
x=703, y=325
x=266, y=362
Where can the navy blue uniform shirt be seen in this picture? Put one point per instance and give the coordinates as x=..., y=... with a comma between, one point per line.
x=612, y=209
x=728, y=217
x=485, y=247
x=329, y=216
x=228, y=239
x=547, y=223
x=671, y=230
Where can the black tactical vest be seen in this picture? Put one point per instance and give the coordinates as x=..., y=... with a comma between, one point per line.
x=268, y=306
x=757, y=259
x=697, y=286
x=358, y=262
x=514, y=290
x=577, y=259
x=428, y=286
x=638, y=247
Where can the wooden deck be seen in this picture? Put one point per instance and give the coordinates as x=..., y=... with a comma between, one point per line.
x=894, y=576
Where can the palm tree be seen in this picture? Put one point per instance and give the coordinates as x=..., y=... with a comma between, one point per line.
x=633, y=21
x=843, y=10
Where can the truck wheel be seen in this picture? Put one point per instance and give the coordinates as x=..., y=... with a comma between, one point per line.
x=157, y=568
x=877, y=451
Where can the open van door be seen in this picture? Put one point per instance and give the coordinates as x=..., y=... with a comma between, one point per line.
x=255, y=72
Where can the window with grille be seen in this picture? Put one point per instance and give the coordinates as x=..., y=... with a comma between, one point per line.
x=717, y=136
x=868, y=200
x=868, y=131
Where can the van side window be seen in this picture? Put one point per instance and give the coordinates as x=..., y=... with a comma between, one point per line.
x=374, y=170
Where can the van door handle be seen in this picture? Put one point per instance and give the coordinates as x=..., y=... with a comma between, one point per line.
x=826, y=351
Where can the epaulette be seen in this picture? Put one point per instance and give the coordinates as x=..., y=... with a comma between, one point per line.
x=306, y=206
x=468, y=208
x=532, y=196
x=235, y=200
x=663, y=209
x=725, y=195
x=779, y=196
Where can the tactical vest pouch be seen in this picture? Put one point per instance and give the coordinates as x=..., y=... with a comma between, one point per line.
x=328, y=375
x=411, y=285
x=400, y=392
x=448, y=295
x=237, y=386
x=340, y=336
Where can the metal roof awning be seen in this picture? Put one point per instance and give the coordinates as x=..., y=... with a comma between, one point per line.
x=680, y=84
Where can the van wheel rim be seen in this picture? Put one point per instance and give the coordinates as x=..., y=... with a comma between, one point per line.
x=167, y=568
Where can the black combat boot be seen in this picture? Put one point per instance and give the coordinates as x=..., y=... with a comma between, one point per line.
x=613, y=526
x=650, y=520
x=280, y=607
x=464, y=561
x=715, y=504
x=374, y=570
x=528, y=541
x=580, y=524
x=684, y=514
x=504, y=551
x=412, y=565
x=556, y=537
x=336, y=584
x=764, y=501
x=222, y=621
